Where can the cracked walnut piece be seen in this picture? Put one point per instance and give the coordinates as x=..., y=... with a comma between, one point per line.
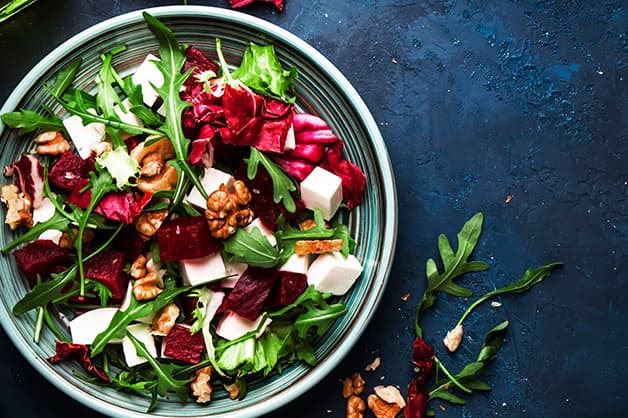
x=226, y=211
x=146, y=288
x=381, y=408
x=147, y=223
x=201, y=389
x=355, y=407
x=19, y=206
x=68, y=238
x=454, y=338
x=164, y=321
x=155, y=173
x=51, y=143
x=353, y=385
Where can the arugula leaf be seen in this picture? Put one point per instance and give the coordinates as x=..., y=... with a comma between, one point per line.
x=282, y=183
x=261, y=71
x=121, y=319
x=43, y=293
x=165, y=379
x=492, y=342
x=455, y=265
x=529, y=279
x=28, y=121
x=172, y=58
x=107, y=97
x=57, y=221
x=252, y=248
x=66, y=76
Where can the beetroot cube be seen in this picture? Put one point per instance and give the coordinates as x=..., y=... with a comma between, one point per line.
x=185, y=238
x=180, y=344
x=130, y=242
x=290, y=286
x=107, y=268
x=67, y=171
x=251, y=292
x=40, y=257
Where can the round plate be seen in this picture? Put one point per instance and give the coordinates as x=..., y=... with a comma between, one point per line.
x=322, y=90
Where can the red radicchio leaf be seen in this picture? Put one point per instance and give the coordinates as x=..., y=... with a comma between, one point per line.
x=81, y=353
x=29, y=177
x=297, y=168
x=241, y=105
x=202, y=149
x=312, y=129
x=353, y=179
x=418, y=395
x=194, y=58
x=121, y=206
x=235, y=4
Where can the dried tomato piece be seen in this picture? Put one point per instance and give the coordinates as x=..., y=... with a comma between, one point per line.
x=418, y=395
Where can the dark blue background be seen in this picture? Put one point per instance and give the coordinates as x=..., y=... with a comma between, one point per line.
x=477, y=101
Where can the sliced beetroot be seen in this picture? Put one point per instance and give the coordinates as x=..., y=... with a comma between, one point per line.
x=40, y=257
x=251, y=292
x=107, y=267
x=29, y=175
x=262, y=203
x=130, y=242
x=68, y=171
x=353, y=179
x=79, y=198
x=180, y=344
x=227, y=154
x=289, y=287
x=186, y=237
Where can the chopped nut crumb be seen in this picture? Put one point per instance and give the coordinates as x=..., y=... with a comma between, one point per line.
x=454, y=338
x=509, y=198
x=374, y=364
x=442, y=408
x=496, y=304
x=394, y=60
x=405, y=297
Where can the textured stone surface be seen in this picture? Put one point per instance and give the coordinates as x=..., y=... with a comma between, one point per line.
x=477, y=101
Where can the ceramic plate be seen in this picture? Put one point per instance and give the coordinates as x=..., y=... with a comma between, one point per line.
x=322, y=90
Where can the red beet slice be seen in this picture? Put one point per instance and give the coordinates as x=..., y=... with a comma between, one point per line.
x=289, y=287
x=130, y=242
x=251, y=292
x=185, y=238
x=180, y=344
x=107, y=268
x=68, y=171
x=40, y=257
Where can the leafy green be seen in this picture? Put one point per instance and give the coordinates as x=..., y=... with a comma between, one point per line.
x=28, y=121
x=43, y=293
x=467, y=377
x=164, y=372
x=529, y=279
x=455, y=265
x=120, y=166
x=261, y=71
x=121, y=319
x=65, y=77
x=172, y=59
x=282, y=183
x=252, y=248
x=288, y=235
x=58, y=221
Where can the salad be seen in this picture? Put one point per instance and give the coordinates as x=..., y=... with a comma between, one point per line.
x=184, y=219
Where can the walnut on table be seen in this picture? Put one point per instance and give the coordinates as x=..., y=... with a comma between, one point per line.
x=353, y=385
x=381, y=408
x=355, y=407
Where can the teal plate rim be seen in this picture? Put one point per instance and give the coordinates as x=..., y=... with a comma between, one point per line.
x=309, y=378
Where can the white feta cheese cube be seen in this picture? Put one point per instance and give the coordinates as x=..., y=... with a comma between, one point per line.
x=234, y=270
x=146, y=76
x=290, y=143
x=84, y=136
x=333, y=273
x=142, y=333
x=211, y=181
x=257, y=223
x=85, y=327
x=126, y=115
x=203, y=270
x=44, y=212
x=297, y=264
x=53, y=235
x=232, y=326
x=323, y=190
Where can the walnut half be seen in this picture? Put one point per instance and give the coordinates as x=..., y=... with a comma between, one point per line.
x=19, y=206
x=201, y=388
x=226, y=211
